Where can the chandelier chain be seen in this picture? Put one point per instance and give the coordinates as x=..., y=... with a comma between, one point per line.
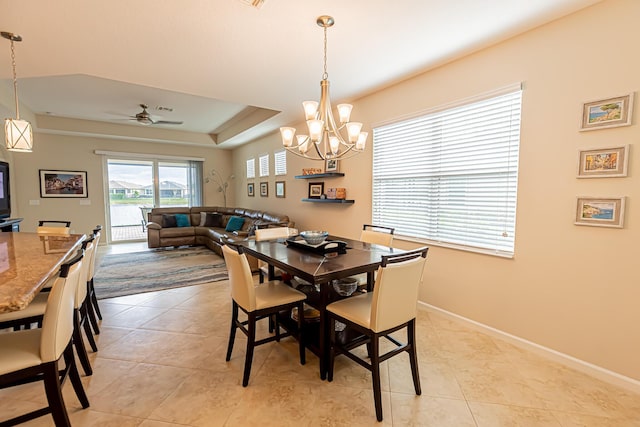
x=15, y=79
x=325, y=75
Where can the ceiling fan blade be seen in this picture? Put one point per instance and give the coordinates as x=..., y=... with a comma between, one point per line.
x=167, y=122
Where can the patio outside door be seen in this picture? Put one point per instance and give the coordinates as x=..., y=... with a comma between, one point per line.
x=136, y=186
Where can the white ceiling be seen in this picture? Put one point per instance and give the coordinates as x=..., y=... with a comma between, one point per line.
x=209, y=60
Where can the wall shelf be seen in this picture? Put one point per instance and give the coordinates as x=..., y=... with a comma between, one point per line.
x=321, y=175
x=342, y=201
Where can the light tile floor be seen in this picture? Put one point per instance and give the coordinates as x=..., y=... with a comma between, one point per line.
x=161, y=364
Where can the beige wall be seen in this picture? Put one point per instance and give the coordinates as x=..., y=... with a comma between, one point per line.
x=570, y=288
x=78, y=153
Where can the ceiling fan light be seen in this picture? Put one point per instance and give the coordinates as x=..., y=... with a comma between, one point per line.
x=18, y=135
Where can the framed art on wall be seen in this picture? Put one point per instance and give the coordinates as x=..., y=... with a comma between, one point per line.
x=251, y=190
x=61, y=184
x=607, y=113
x=603, y=162
x=316, y=189
x=280, y=189
x=331, y=165
x=264, y=189
x=600, y=211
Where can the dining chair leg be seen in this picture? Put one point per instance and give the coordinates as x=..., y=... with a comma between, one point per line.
x=53, y=390
x=332, y=348
x=375, y=374
x=78, y=342
x=94, y=300
x=91, y=312
x=84, y=314
x=232, y=332
x=301, y=346
x=251, y=340
x=74, y=376
x=413, y=357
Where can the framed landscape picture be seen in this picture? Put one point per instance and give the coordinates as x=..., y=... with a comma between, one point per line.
x=600, y=212
x=59, y=184
x=280, y=189
x=316, y=189
x=331, y=165
x=607, y=113
x=251, y=190
x=264, y=189
x=603, y=162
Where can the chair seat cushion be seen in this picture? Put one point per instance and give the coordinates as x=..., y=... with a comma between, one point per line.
x=272, y=294
x=19, y=350
x=355, y=309
x=34, y=309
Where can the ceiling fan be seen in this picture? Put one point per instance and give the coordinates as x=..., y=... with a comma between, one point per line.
x=144, y=118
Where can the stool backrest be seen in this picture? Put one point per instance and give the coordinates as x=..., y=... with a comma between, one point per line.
x=92, y=260
x=57, y=322
x=271, y=233
x=395, y=294
x=377, y=235
x=88, y=245
x=240, y=278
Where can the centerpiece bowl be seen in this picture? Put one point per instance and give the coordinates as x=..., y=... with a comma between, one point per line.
x=314, y=237
x=346, y=286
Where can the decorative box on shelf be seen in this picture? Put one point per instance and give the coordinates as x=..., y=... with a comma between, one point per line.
x=336, y=193
x=311, y=171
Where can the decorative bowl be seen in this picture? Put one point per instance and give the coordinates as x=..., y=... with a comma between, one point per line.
x=314, y=237
x=346, y=286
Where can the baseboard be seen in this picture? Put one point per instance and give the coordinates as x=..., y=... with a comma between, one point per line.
x=564, y=359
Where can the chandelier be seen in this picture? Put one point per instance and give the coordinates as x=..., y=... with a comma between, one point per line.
x=18, y=134
x=325, y=139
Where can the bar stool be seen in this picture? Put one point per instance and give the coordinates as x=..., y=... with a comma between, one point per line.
x=63, y=230
x=34, y=354
x=258, y=302
x=390, y=307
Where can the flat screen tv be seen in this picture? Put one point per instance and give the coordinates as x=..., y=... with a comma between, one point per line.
x=5, y=199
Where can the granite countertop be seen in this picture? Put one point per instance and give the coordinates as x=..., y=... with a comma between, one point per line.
x=27, y=262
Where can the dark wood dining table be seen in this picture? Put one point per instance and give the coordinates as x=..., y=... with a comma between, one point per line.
x=27, y=262
x=319, y=271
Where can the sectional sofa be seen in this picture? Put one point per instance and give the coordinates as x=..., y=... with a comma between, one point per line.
x=206, y=225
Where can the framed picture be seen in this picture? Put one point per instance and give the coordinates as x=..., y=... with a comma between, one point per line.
x=61, y=184
x=280, y=189
x=331, y=165
x=600, y=212
x=251, y=190
x=316, y=189
x=607, y=113
x=264, y=189
x=603, y=162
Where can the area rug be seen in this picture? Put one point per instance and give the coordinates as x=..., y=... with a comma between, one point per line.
x=154, y=270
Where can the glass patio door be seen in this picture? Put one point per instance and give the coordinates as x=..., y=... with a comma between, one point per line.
x=137, y=185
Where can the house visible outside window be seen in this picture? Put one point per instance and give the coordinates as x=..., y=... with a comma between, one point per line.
x=251, y=168
x=280, y=160
x=449, y=176
x=264, y=165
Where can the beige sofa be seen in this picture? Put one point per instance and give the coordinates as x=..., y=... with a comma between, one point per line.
x=161, y=232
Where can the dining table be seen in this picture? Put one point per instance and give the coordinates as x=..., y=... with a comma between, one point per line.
x=318, y=271
x=27, y=262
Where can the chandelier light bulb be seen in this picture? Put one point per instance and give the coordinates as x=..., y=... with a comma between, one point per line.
x=334, y=143
x=302, y=139
x=310, y=109
x=315, y=129
x=353, y=129
x=287, y=135
x=362, y=141
x=344, y=110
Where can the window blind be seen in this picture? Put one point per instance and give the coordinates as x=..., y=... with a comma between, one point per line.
x=264, y=165
x=251, y=168
x=280, y=160
x=450, y=176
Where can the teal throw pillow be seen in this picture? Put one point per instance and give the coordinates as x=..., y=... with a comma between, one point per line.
x=235, y=223
x=182, y=220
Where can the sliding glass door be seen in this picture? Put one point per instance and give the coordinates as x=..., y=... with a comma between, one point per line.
x=137, y=185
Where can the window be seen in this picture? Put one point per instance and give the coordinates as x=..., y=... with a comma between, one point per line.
x=251, y=168
x=264, y=165
x=450, y=176
x=280, y=160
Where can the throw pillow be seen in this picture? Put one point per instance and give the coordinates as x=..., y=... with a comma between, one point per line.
x=214, y=220
x=168, y=221
x=235, y=223
x=182, y=220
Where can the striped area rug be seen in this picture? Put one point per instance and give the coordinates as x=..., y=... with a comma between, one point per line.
x=157, y=269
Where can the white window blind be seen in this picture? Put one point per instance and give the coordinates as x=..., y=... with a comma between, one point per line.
x=450, y=176
x=280, y=160
x=264, y=165
x=251, y=168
